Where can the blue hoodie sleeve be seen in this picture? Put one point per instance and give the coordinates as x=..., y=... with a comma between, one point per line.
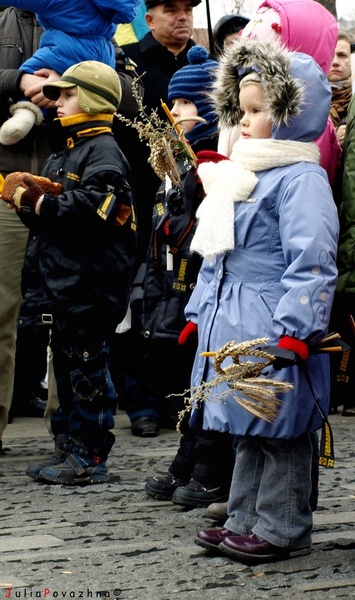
x=115, y=11
x=120, y=11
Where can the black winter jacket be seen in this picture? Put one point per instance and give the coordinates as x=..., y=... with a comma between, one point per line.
x=156, y=65
x=171, y=270
x=78, y=263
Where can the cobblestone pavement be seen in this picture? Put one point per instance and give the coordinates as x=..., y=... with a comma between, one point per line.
x=113, y=541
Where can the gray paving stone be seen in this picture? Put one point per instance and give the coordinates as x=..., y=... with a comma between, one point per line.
x=28, y=542
x=343, y=517
x=10, y=582
x=113, y=541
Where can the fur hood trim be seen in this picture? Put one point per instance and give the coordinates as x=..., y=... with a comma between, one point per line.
x=284, y=93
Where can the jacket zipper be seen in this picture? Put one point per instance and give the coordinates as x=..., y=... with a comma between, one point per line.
x=12, y=46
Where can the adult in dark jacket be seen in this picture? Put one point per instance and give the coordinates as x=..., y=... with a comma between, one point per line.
x=19, y=38
x=343, y=313
x=342, y=320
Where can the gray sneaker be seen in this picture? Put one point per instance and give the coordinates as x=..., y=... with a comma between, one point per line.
x=74, y=471
x=63, y=446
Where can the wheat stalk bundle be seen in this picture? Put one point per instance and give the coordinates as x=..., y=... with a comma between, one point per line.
x=165, y=139
x=258, y=395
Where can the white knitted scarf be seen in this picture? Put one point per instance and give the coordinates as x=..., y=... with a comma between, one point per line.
x=230, y=181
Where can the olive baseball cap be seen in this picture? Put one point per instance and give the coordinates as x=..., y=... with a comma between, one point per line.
x=99, y=87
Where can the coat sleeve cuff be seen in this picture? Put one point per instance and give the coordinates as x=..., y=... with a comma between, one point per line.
x=10, y=85
x=296, y=345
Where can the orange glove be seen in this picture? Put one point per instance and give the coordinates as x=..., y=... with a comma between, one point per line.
x=189, y=330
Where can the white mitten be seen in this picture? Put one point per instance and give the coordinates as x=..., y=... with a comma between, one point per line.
x=208, y=173
x=25, y=115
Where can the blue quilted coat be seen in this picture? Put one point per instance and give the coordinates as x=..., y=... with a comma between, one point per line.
x=278, y=280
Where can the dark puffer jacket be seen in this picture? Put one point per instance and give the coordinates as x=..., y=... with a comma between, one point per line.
x=77, y=269
x=172, y=269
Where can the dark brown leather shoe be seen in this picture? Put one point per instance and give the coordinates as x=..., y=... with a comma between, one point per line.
x=211, y=538
x=252, y=548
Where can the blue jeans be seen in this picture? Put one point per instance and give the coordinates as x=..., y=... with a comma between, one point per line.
x=86, y=393
x=270, y=490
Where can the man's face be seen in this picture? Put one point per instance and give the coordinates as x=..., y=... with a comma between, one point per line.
x=171, y=22
x=341, y=64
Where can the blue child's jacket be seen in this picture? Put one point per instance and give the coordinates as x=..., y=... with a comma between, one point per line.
x=75, y=32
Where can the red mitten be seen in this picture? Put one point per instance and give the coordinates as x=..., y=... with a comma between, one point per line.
x=209, y=156
x=296, y=345
x=189, y=330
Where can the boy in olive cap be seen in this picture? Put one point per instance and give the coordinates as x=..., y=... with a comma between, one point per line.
x=77, y=268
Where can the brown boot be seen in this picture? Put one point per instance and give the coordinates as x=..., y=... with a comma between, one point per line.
x=217, y=511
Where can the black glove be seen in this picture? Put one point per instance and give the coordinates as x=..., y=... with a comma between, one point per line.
x=292, y=350
x=283, y=358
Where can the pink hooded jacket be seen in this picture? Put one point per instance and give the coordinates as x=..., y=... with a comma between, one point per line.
x=308, y=27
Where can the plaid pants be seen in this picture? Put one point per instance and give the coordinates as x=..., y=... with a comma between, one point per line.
x=86, y=393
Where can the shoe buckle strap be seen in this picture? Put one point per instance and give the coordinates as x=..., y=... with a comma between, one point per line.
x=59, y=453
x=75, y=464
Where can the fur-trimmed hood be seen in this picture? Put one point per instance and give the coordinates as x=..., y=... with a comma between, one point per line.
x=297, y=92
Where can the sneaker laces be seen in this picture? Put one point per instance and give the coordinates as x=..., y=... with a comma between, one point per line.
x=168, y=479
x=196, y=486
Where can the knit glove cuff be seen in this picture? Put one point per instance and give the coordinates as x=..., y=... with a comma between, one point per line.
x=189, y=330
x=296, y=345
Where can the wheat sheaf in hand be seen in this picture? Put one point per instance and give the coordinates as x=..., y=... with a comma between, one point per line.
x=165, y=139
x=258, y=394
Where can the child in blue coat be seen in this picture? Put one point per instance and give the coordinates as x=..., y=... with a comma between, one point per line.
x=268, y=231
x=71, y=34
